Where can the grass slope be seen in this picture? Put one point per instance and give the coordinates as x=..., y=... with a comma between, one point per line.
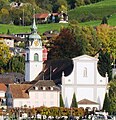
x=26, y=29
x=111, y=22
x=97, y=11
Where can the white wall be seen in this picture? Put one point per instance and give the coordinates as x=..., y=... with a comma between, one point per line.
x=2, y=94
x=46, y=98
x=90, y=84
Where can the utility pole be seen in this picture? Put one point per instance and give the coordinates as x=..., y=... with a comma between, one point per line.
x=23, y=18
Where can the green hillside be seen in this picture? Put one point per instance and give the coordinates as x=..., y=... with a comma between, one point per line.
x=20, y=29
x=111, y=21
x=93, y=11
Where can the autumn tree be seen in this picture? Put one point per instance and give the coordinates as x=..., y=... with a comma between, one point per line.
x=64, y=46
x=107, y=36
x=86, y=38
x=4, y=56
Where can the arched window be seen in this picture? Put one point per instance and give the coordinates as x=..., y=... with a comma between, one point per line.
x=36, y=57
x=85, y=72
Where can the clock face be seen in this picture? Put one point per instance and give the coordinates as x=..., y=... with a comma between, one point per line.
x=36, y=43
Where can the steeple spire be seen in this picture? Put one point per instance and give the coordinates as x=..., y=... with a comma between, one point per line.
x=34, y=27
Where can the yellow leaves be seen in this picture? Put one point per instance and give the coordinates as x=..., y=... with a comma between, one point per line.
x=107, y=35
x=4, y=53
x=4, y=11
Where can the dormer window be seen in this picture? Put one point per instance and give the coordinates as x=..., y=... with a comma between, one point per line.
x=51, y=88
x=44, y=88
x=36, y=88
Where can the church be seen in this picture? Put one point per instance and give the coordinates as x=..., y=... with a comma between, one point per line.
x=85, y=81
x=78, y=76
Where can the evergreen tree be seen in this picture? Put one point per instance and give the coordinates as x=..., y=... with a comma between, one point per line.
x=106, y=105
x=104, y=21
x=61, y=101
x=104, y=64
x=74, y=101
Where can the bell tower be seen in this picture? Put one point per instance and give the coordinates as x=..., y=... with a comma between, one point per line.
x=34, y=54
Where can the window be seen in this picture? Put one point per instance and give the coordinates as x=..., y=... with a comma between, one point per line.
x=27, y=56
x=85, y=72
x=36, y=57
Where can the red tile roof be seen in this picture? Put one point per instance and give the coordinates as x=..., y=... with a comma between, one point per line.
x=40, y=16
x=86, y=101
x=3, y=87
x=19, y=90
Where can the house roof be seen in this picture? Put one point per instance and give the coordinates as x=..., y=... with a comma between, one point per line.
x=41, y=15
x=11, y=37
x=8, y=78
x=53, y=69
x=44, y=15
x=3, y=87
x=86, y=101
x=19, y=90
x=44, y=83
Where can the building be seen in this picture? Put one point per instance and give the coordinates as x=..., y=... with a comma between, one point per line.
x=34, y=55
x=46, y=17
x=85, y=81
x=3, y=89
x=42, y=93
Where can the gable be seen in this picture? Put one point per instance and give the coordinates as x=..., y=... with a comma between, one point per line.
x=85, y=57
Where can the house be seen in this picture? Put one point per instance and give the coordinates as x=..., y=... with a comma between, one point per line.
x=45, y=17
x=10, y=39
x=85, y=81
x=22, y=35
x=6, y=39
x=87, y=104
x=42, y=93
x=3, y=89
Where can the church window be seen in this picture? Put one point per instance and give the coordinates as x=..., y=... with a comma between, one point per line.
x=85, y=72
x=36, y=57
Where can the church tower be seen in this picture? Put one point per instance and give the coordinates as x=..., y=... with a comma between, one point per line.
x=34, y=54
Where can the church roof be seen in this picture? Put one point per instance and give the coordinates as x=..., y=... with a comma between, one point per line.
x=86, y=101
x=34, y=34
x=53, y=69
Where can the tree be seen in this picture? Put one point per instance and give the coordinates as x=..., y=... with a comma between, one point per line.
x=106, y=104
x=112, y=96
x=104, y=20
x=63, y=46
x=86, y=38
x=16, y=64
x=61, y=101
x=4, y=56
x=72, y=3
x=74, y=101
x=104, y=64
x=107, y=37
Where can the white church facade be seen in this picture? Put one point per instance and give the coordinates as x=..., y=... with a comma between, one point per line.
x=85, y=81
